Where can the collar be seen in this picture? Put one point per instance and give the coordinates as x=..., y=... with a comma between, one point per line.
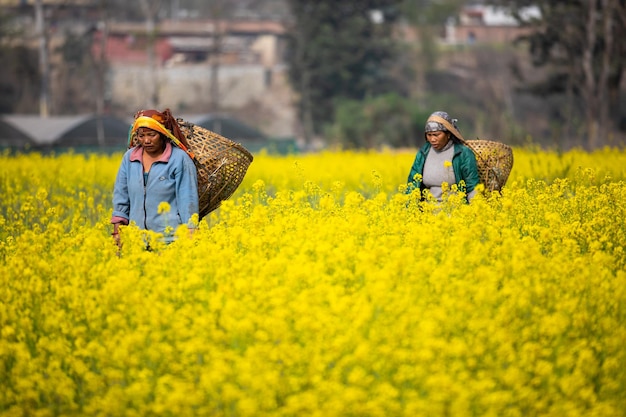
x=445, y=148
x=137, y=153
x=458, y=147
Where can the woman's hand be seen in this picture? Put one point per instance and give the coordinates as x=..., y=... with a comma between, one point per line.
x=116, y=235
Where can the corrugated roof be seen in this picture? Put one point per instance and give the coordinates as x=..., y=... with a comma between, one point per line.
x=43, y=130
x=21, y=131
x=17, y=3
x=13, y=137
x=64, y=131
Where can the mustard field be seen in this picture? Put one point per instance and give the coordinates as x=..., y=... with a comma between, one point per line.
x=318, y=289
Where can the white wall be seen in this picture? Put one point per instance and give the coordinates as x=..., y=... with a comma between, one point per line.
x=185, y=88
x=187, y=85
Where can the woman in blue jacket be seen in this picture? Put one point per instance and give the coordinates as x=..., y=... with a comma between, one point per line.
x=155, y=171
x=443, y=159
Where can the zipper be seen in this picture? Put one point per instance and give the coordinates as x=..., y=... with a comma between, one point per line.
x=145, y=185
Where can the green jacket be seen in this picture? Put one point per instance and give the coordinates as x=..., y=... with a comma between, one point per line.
x=463, y=164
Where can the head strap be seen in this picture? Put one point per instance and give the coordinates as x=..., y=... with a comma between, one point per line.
x=162, y=122
x=447, y=125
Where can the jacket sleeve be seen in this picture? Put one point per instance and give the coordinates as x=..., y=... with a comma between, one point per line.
x=121, y=198
x=187, y=190
x=469, y=170
x=414, y=182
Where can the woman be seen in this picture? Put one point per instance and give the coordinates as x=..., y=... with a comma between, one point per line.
x=443, y=158
x=154, y=171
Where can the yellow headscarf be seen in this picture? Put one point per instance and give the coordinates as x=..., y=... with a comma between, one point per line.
x=163, y=123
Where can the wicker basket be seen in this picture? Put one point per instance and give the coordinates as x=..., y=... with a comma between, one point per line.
x=221, y=165
x=495, y=161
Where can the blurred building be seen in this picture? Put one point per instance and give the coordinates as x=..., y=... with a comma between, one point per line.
x=244, y=57
x=482, y=23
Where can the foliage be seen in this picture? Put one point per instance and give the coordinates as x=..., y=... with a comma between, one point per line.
x=385, y=120
x=77, y=75
x=337, y=51
x=319, y=289
x=579, y=43
x=19, y=79
x=19, y=72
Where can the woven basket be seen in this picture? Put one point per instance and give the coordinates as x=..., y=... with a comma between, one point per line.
x=221, y=165
x=495, y=161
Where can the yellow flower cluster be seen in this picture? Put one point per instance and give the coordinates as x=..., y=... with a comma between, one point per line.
x=318, y=289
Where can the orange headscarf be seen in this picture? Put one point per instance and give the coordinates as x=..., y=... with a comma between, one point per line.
x=162, y=122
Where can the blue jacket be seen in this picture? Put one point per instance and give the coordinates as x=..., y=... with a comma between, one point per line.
x=463, y=164
x=173, y=179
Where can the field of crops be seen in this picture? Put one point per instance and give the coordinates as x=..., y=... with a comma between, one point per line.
x=318, y=289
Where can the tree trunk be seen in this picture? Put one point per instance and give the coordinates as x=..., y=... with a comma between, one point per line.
x=307, y=110
x=617, y=72
x=44, y=67
x=305, y=91
x=150, y=11
x=214, y=89
x=590, y=85
x=216, y=50
x=100, y=68
x=175, y=9
x=603, y=88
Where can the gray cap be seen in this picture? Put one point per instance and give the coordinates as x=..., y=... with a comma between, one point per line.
x=432, y=126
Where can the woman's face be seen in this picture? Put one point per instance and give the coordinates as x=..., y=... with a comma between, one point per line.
x=150, y=140
x=438, y=139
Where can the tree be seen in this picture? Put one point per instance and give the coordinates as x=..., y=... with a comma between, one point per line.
x=339, y=50
x=44, y=66
x=579, y=43
x=220, y=13
x=385, y=120
x=19, y=74
x=151, y=10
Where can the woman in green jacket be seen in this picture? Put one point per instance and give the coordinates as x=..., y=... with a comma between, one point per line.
x=443, y=159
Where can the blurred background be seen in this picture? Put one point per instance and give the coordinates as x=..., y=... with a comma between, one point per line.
x=299, y=75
